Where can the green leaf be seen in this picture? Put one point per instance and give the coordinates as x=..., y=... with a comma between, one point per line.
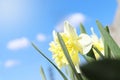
x=88, y=58
x=101, y=55
x=66, y=53
x=107, y=50
x=42, y=73
x=62, y=74
x=91, y=54
x=106, y=69
x=109, y=40
x=82, y=29
x=71, y=74
x=107, y=29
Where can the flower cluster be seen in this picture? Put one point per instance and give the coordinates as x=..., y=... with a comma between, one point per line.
x=75, y=43
x=101, y=54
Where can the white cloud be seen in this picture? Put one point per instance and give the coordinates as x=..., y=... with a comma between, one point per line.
x=11, y=63
x=41, y=37
x=74, y=19
x=18, y=44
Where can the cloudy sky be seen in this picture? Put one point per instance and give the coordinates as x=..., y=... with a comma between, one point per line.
x=26, y=21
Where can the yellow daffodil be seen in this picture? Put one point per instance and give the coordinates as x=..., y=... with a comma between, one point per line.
x=74, y=45
x=70, y=38
x=98, y=43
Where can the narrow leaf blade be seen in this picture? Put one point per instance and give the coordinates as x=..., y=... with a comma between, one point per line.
x=42, y=73
x=82, y=28
x=109, y=40
x=62, y=74
x=107, y=50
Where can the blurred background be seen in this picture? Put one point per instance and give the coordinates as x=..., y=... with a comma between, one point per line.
x=26, y=21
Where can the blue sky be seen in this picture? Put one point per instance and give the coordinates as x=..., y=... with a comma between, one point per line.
x=25, y=21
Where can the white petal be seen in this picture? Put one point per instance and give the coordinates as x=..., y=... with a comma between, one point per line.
x=94, y=36
x=85, y=42
x=69, y=30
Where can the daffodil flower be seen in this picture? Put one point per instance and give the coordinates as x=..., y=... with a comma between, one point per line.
x=98, y=43
x=74, y=45
x=70, y=38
